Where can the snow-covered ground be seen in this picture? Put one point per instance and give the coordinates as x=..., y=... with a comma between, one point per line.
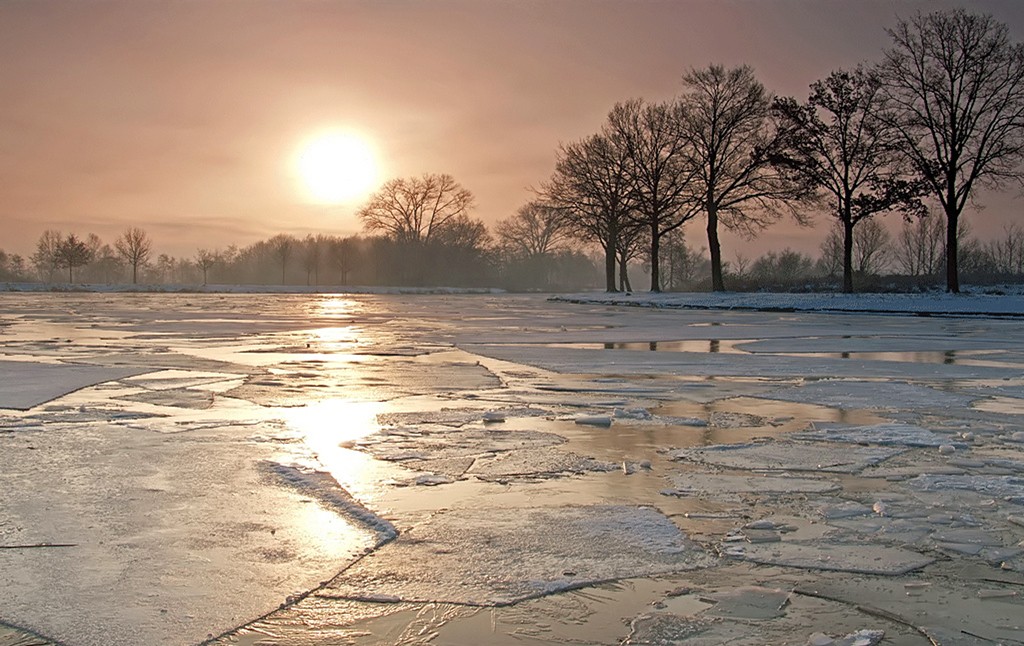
x=408, y=468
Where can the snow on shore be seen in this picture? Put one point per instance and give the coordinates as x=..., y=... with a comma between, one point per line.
x=1003, y=301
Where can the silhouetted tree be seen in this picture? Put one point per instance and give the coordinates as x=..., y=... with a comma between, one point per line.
x=205, y=261
x=954, y=88
x=313, y=248
x=45, y=258
x=920, y=246
x=661, y=170
x=844, y=150
x=72, y=253
x=726, y=119
x=282, y=246
x=592, y=187
x=413, y=210
x=344, y=255
x=536, y=229
x=135, y=247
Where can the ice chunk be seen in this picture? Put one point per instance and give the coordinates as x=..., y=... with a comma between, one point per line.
x=536, y=462
x=490, y=557
x=664, y=630
x=1007, y=487
x=711, y=484
x=859, y=638
x=870, y=395
x=594, y=420
x=787, y=456
x=841, y=557
x=881, y=434
x=750, y=602
x=27, y=384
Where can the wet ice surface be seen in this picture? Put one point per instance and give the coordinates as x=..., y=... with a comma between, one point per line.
x=494, y=469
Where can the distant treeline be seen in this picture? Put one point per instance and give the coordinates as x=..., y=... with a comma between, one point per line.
x=523, y=254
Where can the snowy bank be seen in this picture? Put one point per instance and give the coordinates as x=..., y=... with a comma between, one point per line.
x=1010, y=302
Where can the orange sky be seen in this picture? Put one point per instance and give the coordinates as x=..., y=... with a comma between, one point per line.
x=184, y=117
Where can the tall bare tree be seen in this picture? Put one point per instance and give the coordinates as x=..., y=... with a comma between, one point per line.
x=954, y=87
x=734, y=147
x=661, y=170
x=592, y=187
x=135, y=247
x=413, y=210
x=344, y=255
x=845, y=151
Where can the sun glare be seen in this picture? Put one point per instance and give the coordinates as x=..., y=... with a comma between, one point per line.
x=337, y=167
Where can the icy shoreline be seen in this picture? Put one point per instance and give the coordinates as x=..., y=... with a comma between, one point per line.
x=1010, y=303
x=123, y=288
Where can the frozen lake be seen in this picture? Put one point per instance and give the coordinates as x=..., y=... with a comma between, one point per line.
x=329, y=469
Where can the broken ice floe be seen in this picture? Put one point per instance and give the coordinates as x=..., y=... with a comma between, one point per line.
x=690, y=484
x=489, y=557
x=661, y=629
x=536, y=463
x=787, y=456
x=176, y=398
x=28, y=384
x=749, y=602
x=325, y=488
x=822, y=555
x=870, y=395
x=859, y=638
x=1009, y=488
x=881, y=434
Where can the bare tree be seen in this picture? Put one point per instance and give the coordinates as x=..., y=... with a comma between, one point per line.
x=536, y=229
x=735, y=145
x=661, y=170
x=1008, y=252
x=72, y=253
x=844, y=150
x=135, y=247
x=45, y=258
x=592, y=187
x=205, y=260
x=344, y=255
x=282, y=246
x=313, y=249
x=414, y=210
x=872, y=248
x=954, y=86
x=920, y=246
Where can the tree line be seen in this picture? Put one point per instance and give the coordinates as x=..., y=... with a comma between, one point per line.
x=938, y=117
x=917, y=133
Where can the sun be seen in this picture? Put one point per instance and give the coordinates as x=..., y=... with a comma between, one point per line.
x=337, y=167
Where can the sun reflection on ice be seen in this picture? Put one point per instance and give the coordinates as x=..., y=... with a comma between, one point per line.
x=329, y=428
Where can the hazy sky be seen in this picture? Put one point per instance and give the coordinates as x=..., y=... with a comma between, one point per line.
x=186, y=117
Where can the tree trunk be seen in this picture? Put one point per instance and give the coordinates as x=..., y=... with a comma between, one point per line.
x=952, y=273
x=609, y=261
x=848, y=256
x=655, y=248
x=71, y=273
x=714, y=247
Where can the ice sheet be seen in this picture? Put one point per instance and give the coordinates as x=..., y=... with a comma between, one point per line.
x=498, y=556
x=711, y=484
x=881, y=434
x=787, y=456
x=25, y=385
x=871, y=395
x=820, y=555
